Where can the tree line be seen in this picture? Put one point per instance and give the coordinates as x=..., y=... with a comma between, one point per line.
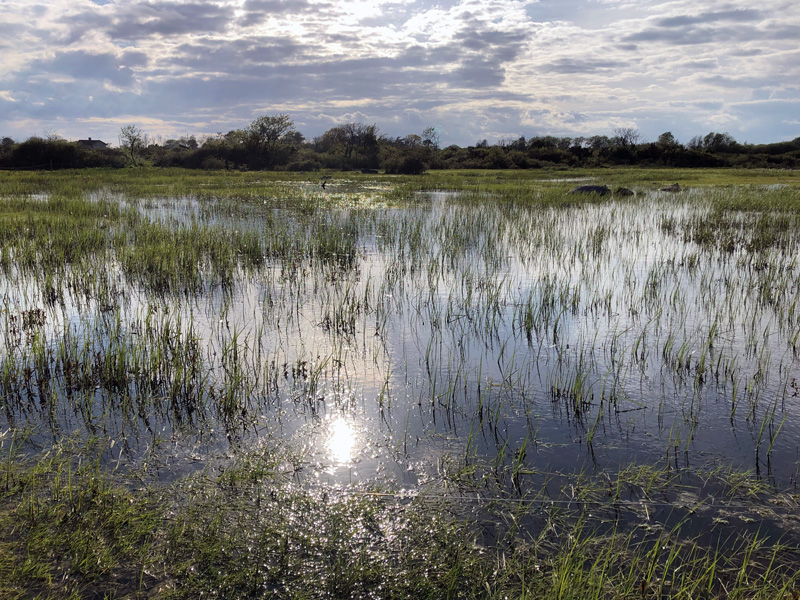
x=272, y=142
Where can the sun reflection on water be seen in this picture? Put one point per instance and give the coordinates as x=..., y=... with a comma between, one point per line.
x=341, y=441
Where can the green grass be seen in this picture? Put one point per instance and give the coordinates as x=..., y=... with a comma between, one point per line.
x=72, y=531
x=272, y=186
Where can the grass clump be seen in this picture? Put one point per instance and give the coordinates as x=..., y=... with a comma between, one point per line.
x=70, y=532
x=167, y=260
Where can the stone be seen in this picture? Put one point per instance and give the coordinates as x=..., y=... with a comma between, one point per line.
x=600, y=190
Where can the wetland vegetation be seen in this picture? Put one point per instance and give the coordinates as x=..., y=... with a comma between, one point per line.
x=466, y=384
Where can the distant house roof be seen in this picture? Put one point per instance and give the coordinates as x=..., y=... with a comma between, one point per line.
x=91, y=144
x=175, y=144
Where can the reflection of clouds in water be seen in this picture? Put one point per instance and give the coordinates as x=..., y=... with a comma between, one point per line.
x=342, y=440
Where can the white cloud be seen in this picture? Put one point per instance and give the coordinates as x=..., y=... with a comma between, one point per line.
x=480, y=68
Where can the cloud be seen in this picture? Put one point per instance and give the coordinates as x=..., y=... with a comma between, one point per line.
x=736, y=16
x=477, y=73
x=280, y=7
x=259, y=11
x=703, y=27
x=700, y=65
x=782, y=31
x=569, y=66
x=476, y=67
x=689, y=36
x=141, y=20
x=83, y=66
x=746, y=82
x=701, y=106
x=237, y=56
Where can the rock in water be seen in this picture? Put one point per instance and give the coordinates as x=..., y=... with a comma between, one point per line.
x=600, y=190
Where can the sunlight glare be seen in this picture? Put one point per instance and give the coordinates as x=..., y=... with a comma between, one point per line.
x=342, y=441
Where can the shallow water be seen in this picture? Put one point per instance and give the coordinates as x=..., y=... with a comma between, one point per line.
x=538, y=340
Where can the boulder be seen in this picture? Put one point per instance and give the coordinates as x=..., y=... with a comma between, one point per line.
x=600, y=190
x=675, y=187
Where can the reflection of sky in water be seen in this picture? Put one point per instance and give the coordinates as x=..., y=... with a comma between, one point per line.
x=393, y=396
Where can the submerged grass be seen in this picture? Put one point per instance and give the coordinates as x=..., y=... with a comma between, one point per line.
x=71, y=531
x=509, y=346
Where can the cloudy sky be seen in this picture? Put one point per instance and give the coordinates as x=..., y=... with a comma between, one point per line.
x=473, y=68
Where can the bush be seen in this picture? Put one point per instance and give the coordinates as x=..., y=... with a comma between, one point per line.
x=39, y=153
x=212, y=163
x=408, y=165
x=304, y=165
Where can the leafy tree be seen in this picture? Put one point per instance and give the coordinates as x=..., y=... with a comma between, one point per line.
x=408, y=155
x=133, y=141
x=543, y=141
x=6, y=144
x=351, y=137
x=189, y=141
x=357, y=143
x=265, y=133
x=430, y=142
x=497, y=159
x=696, y=143
x=627, y=137
x=407, y=165
x=519, y=144
x=430, y=138
x=268, y=140
x=294, y=137
x=598, y=142
x=667, y=141
x=549, y=141
x=720, y=142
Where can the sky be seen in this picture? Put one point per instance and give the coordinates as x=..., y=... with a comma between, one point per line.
x=474, y=69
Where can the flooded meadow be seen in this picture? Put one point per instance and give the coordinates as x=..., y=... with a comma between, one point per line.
x=458, y=385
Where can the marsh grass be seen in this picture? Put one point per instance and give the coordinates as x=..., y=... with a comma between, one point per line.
x=249, y=531
x=540, y=381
